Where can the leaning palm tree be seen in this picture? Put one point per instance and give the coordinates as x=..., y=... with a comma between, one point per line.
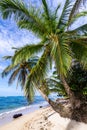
x=59, y=44
x=20, y=72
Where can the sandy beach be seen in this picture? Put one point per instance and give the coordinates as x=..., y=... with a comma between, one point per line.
x=43, y=119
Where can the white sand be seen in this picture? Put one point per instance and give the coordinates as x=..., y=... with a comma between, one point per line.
x=44, y=119
x=60, y=123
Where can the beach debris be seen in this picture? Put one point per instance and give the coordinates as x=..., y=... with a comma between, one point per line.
x=41, y=128
x=45, y=117
x=17, y=115
x=40, y=106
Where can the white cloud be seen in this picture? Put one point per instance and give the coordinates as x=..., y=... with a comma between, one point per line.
x=11, y=36
x=2, y=67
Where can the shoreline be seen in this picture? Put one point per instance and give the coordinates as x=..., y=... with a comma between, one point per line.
x=7, y=116
x=19, y=123
x=44, y=119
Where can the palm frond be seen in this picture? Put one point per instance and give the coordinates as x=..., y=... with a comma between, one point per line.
x=22, y=13
x=13, y=76
x=41, y=68
x=75, y=8
x=46, y=10
x=8, y=70
x=24, y=53
x=56, y=10
x=44, y=88
x=62, y=55
x=37, y=74
x=54, y=84
x=32, y=26
x=49, y=17
x=79, y=48
x=33, y=60
x=77, y=16
x=65, y=14
x=29, y=90
x=7, y=57
x=22, y=76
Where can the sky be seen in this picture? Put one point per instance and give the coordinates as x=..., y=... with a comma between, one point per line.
x=12, y=36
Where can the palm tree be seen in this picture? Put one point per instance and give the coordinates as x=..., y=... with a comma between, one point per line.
x=59, y=44
x=19, y=72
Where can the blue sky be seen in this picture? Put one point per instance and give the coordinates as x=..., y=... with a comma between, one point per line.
x=11, y=36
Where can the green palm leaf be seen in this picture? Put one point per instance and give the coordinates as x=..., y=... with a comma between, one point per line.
x=24, y=53
x=22, y=13
x=77, y=16
x=57, y=45
x=23, y=72
x=75, y=9
x=8, y=70
x=62, y=55
x=19, y=71
x=38, y=72
x=54, y=85
x=29, y=90
x=65, y=14
x=80, y=51
x=46, y=10
x=7, y=57
x=32, y=26
x=13, y=76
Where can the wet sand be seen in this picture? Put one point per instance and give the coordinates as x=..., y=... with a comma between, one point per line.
x=44, y=119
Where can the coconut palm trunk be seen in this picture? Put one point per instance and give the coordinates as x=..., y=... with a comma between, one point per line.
x=58, y=107
x=43, y=95
x=67, y=89
x=57, y=44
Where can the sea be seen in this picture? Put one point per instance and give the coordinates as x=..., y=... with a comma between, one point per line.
x=13, y=102
x=11, y=105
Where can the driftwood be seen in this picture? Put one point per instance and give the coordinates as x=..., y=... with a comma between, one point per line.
x=40, y=106
x=17, y=115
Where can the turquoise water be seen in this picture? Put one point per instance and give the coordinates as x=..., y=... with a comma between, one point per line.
x=13, y=102
x=19, y=104
x=14, y=105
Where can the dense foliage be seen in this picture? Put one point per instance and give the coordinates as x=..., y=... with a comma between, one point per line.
x=58, y=44
x=77, y=80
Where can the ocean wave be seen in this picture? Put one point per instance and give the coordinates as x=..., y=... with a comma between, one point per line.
x=14, y=110
x=24, y=109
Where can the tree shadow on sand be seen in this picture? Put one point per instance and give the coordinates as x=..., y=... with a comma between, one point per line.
x=73, y=125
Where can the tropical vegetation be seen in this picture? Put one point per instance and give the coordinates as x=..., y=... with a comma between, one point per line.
x=19, y=72
x=77, y=80
x=59, y=42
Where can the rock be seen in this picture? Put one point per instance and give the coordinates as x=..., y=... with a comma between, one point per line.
x=40, y=106
x=17, y=115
